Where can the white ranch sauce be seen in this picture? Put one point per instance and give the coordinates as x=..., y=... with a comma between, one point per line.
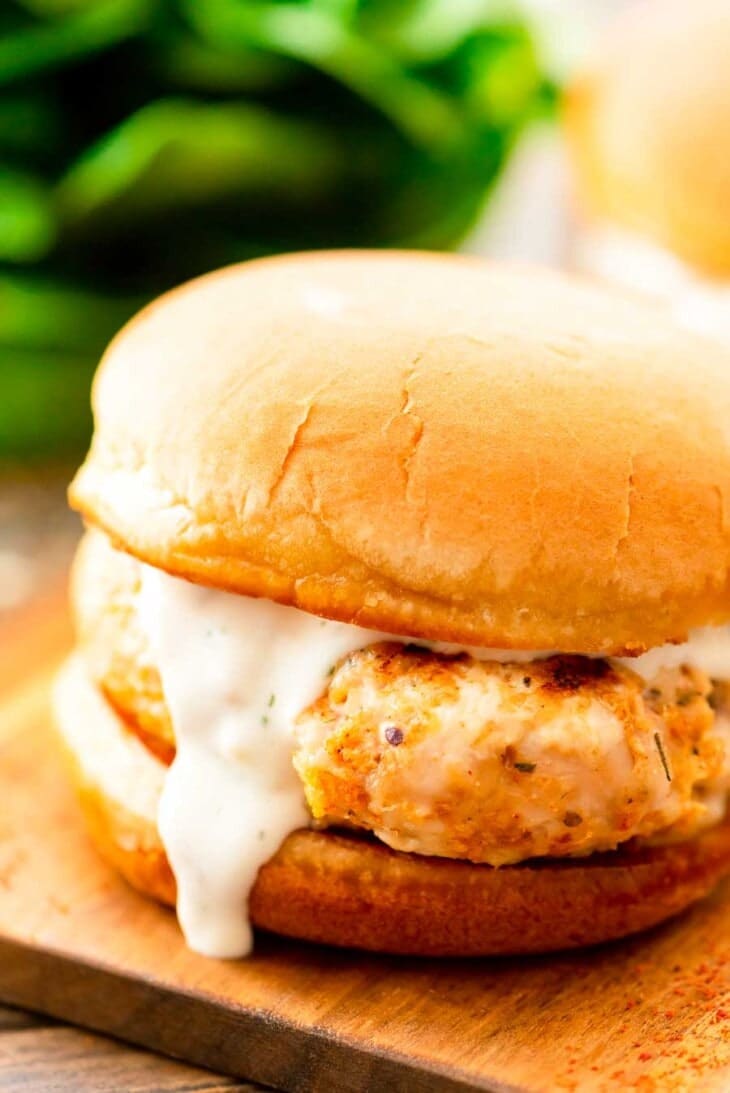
x=700, y=304
x=236, y=672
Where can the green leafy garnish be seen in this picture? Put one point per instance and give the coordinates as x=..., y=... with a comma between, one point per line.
x=143, y=142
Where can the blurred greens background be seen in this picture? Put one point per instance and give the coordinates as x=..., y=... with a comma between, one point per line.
x=145, y=141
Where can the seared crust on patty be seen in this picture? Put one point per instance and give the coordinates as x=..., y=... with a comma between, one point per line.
x=344, y=890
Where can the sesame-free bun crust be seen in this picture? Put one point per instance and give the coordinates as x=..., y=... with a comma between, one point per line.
x=344, y=890
x=422, y=444
x=648, y=124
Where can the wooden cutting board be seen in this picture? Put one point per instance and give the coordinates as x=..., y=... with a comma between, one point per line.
x=75, y=942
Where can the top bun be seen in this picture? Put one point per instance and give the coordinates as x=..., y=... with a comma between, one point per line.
x=426, y=445
x=649, y=129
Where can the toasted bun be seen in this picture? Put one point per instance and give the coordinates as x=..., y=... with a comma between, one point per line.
x=343, y=890
x=649, y=128
x=426, y=445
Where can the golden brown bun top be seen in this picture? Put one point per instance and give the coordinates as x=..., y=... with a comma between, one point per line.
x=649, y=128
x=427, y=445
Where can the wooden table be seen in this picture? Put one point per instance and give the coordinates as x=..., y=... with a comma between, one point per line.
x=39, y=1054
x=37, y=536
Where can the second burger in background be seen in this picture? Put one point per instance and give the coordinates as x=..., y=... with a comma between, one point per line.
x=648, y=128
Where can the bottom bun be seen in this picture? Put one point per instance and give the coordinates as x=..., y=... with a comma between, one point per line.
x=346, y=890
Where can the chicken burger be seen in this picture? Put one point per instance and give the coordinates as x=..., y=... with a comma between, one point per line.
x=401, y=608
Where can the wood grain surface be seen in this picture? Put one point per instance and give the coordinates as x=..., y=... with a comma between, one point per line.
x=652, y=1014
x=47, y=1058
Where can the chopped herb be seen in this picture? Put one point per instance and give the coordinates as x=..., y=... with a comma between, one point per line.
x=653, y=693
x=262, y=836
x=572, y=819
x=272, y=700
x=662, y=756
x=264, y=720
x=525, y=768
x=394, y=735
x=686, y=697
x=527, y=681
x=695, y=750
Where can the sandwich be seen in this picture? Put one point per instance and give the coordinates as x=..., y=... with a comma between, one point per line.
x=402, y=607
x=647, y=122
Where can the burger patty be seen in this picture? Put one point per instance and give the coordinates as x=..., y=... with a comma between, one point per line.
x=497, y=763
x=457, y=757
